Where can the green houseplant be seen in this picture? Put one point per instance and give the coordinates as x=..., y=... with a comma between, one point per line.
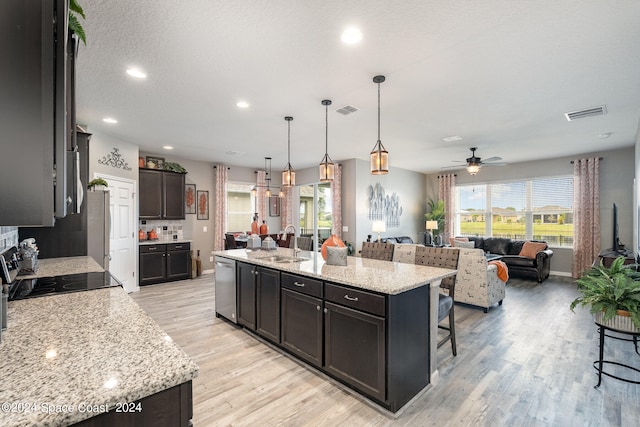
x=436, y=213
x=96, y=182
x=74, y=24
x=610, y=292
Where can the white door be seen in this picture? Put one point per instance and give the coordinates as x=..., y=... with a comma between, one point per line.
x=122, y=240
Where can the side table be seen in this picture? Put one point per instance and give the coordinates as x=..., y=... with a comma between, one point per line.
x=599, y=364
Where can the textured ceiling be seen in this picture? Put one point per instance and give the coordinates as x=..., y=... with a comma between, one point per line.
x=499, y=73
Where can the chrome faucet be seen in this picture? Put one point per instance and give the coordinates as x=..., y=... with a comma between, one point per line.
x=296, y=251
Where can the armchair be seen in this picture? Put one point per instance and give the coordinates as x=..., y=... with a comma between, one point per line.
x=477, y=282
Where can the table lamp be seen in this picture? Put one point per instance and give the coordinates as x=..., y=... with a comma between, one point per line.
x=379, y=227
x=431, y=225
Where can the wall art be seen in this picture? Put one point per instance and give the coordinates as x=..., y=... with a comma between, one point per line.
x=114, y=159
x=189, y=198
x=384, y=207
x=274, y=206
x=203, y=204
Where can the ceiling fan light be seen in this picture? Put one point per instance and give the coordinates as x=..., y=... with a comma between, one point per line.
x=379, y=160
x=473, y=169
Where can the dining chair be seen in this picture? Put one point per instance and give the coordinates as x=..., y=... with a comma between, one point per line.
x=375, y=250
x=443, y=258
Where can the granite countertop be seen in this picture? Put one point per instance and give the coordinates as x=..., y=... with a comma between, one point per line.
x=162, y=241
x=380, y=276
x=82, y=349
x=66, y=265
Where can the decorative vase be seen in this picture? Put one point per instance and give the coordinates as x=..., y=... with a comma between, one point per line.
x=620, y=322
x=333, y=240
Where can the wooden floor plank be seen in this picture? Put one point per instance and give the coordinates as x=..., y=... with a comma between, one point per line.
x=525, y=363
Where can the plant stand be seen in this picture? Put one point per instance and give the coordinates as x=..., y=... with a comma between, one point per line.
x=599, y=364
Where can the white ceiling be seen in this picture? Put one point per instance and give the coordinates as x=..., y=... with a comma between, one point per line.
x=499, y=73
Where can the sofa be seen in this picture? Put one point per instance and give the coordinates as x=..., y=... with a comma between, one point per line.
x=395, y=240
x=524, y=258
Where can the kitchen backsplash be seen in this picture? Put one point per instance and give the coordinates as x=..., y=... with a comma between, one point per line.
x=8, y=236
x=173, y=228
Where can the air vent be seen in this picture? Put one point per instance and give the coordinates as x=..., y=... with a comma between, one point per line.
x=587, y=112
x=347, y=109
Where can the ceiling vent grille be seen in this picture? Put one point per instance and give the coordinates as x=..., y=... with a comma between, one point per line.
x=600, y=110
x=347, y=109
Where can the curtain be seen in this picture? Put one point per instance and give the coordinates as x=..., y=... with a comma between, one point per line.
x=586, y=216
x=446, y=185
x=286, y=208
x=220, y=215
x=336, y=201
x=261, y=197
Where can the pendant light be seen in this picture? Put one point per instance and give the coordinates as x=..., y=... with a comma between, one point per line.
x=268, y=173
x=379, y=156
x=326, y=166
x=288, y=174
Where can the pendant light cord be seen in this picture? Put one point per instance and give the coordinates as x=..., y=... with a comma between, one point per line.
x=326, y=130
x=289, y=143
x=378, y=112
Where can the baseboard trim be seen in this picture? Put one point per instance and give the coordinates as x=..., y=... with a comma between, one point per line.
x=560, y=273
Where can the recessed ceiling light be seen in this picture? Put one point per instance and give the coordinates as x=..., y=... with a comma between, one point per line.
x=604, y=135
x=242, y=104
x=110, y=120
x=452, y=138
x=168, y=147
x=137, y=73
x=351, y=35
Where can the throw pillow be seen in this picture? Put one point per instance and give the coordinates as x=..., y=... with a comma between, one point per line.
x=460, y=239
x=530, y=249
x=462, y=244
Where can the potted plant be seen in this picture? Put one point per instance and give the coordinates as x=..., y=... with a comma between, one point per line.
x=436, y=213
x=613, y=295
x=98, y=182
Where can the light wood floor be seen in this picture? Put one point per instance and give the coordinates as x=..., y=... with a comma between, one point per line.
x=526, y=363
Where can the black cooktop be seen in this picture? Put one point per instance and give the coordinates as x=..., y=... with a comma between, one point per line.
x=44, y=286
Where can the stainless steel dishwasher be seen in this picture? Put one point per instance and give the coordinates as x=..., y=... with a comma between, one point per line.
x=225, y=271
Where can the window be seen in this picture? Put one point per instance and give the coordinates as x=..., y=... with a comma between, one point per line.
x=315, y=204
x=536, y=209
x=240, y=206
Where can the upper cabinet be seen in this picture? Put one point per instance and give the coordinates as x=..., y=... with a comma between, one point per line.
x=161, y=194
x=37, y=126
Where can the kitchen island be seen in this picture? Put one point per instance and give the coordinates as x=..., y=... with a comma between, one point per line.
x=371, y=325
x=70, y=358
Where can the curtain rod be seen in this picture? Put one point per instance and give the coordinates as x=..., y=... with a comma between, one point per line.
x=572, y=161
x=216, y=167
x=442, y=176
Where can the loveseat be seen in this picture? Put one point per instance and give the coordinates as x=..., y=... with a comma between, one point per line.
x=529, y=260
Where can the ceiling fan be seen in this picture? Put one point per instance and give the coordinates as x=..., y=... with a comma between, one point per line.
x=474, y=163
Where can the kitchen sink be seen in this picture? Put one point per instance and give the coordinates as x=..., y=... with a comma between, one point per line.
x=281, y=259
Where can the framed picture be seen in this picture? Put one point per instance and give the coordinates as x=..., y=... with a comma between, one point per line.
x=190, y=199
x=155, y=162
x=274, y=206
x=202, y=204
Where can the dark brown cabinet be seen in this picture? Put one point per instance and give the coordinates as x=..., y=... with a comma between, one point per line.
x=355, y=338
x=259, y=300
x=268, y=304
x=164, y=262
x=301, y=314
x=161, y=194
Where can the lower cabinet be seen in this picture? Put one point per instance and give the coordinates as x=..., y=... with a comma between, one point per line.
x=258, y=296
x=164, y=262
x=302, y=317
x=354, y=339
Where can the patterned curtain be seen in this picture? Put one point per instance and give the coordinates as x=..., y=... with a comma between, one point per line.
x=262, y=199
x=586, y=216
x=220, y=215
x=286, y=207
x=446, y=185
x=336, y=201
